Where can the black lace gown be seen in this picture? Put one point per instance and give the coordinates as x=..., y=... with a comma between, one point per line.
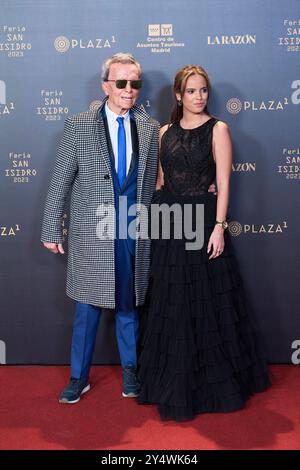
x=199, y=348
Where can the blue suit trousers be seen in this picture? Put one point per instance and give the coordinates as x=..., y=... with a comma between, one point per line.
x=84, y=337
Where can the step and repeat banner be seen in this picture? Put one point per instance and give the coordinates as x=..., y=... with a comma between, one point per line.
x=50, y=61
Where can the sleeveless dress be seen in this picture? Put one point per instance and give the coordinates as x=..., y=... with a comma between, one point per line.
x=199, y=350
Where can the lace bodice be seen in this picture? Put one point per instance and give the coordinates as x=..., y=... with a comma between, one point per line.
x=187, y=159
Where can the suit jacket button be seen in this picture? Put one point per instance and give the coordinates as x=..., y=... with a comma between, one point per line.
x=106, y=177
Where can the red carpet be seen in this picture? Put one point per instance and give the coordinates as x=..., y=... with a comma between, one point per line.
x=32, y=418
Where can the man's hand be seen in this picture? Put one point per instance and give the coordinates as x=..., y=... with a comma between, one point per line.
x=54, y=247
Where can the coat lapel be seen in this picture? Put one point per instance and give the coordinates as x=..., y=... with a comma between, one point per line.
x=101, y=138
x=144, y=131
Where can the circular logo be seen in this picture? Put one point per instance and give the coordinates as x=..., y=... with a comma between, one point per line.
x=95, y=105
x=61, y=44
x=235, y=228
x=234, y=105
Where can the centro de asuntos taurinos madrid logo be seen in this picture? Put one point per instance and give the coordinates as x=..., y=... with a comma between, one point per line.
x=160, y=39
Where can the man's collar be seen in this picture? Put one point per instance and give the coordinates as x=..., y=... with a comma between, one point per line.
x=112, y=117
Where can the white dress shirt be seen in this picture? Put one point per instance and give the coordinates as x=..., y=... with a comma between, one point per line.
x=113, y=127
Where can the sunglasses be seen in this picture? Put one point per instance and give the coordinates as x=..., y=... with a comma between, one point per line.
x=135, y=84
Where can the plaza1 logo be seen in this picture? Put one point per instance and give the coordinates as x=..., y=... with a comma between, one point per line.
x=236, y=228
x=235, y=105
x=290, y=39
x=20, y=170
x=52, y=107
x=2, y=352
x=9, y=230
x=5, y=107
x=64, y=44
x=13, y=42
x=160, y=39
x=290, y=167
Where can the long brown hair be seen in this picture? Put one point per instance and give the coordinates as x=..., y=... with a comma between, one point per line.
x=179, y=86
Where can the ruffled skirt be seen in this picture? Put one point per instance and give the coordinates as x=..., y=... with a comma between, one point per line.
x=199, y=349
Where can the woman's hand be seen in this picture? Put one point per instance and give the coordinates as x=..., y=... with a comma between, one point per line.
x=216, y=242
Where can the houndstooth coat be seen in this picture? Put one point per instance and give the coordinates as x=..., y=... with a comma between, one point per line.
x=83, y=167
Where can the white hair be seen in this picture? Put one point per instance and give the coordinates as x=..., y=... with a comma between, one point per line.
x=119, y=58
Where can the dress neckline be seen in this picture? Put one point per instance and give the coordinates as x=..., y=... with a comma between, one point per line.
x=194, y=128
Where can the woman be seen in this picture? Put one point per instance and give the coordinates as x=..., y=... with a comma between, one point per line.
x=199, y=351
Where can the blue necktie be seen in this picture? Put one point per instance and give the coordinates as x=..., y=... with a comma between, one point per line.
x=121, y=151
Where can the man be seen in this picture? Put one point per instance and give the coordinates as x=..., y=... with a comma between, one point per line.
x=103, y=155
